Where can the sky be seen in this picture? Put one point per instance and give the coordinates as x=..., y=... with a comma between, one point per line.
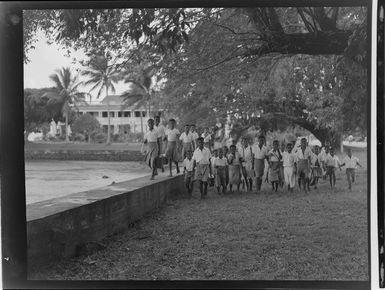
x=46, y=58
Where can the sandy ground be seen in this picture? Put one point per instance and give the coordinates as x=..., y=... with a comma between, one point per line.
x=47, y=179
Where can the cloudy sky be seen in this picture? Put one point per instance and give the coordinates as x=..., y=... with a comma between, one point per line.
x=45, y=59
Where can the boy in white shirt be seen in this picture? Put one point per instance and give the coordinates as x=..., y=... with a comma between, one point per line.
x=172, y=136
x=351, y=163
x=202, y=166
x=221, y=167
x=316, y=170
x=152, y=152
x=187, y=141
x=195, y=135
x=188, y=170
x=206, y=138
x=332, y=162
x=247, y=156
x=289, y=166
x=234, y=160
x=260, y=153
x=304, y=154
x=161, y=130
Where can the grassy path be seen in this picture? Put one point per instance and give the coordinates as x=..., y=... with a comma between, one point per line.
x=317, y=236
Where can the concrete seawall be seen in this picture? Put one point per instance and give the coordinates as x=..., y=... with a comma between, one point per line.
x=57, y=228
x=102, y=155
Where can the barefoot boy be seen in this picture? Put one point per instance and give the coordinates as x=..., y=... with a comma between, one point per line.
x=221, y=167
x=289, y=164
x=202, y=166
x=275, y=157
x=152, y=141
x=172, y=136
x=188, y=170
x=234, y=161
x=351, y=163
x=332, y=163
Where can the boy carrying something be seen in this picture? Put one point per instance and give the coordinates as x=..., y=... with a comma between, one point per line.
x=188, y=170
x=351, y=163
x=221, y=166
x=202, y=166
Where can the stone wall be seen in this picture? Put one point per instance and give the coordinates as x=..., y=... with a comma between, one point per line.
x=58, y=228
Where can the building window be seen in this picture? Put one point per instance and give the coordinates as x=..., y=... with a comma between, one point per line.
x=104, y=114
x=127, y=114
x=119, y=114
x=112, y=114
x=144, y=113
x=137, y=114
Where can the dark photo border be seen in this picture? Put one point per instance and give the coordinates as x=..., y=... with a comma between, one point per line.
x=13, y=201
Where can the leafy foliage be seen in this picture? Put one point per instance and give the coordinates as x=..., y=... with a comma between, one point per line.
x=86, y=125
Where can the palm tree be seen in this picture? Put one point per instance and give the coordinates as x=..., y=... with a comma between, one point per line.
x=65, y=92
x=141, y=90
x=102, y=77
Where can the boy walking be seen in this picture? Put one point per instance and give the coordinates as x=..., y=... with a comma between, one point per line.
x=303, y=163
x=202, y=166
x=332, y=162
x=289, y=166
x=260, y=154
x=247, y=163
x=234, y=161
x=351, y=163
x=187, y=141
x=188, y=170
x=221, y=166
x=172, y=135
x=161, y=130
x=152, y=141
x=275, y=157
x=316, y=170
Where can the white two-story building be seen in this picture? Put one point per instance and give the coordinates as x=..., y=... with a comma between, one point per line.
x=122, y=119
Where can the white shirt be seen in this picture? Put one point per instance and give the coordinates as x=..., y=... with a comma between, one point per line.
x=304, y=155
x=188, y=164
x=350, y=162
x=332, y=161
x=186, y=138
x=274, y=156
x=172, y=134
x=220, y=161
x=195, y=135
x=314, y=159
x=206, y=138
x=246, y=154
x=289, y=159
x=161, y=130
x=258, y=152
x=151, y=135
x=202, y=156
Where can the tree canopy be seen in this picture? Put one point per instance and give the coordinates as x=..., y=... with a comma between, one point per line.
x=261, y=66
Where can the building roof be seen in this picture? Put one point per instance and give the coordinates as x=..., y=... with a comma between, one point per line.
x=113, y=100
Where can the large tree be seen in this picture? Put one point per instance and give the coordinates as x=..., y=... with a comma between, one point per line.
x=103, y=74
x=210, y=56
x=65, y=93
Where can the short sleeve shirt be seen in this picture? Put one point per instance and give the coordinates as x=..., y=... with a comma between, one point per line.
x=172, y=134
x=206, y=138
x=316, y=159
x=259, y=153
x=151, y=135
x=202, y=156
x=332, y=161
x=161, y=130
x=246, y=154
x=304, y=155
x=186, y=138
x=350, y=162
x=189, y=164
x=288, y=159
x=220, y=161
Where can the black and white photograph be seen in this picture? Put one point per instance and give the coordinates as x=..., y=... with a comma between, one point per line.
x=197, y=143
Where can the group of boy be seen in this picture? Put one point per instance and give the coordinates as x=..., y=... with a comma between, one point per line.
x=242, y=165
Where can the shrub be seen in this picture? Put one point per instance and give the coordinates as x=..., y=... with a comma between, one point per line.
x=78, y=137
x=135, y=137
x=85, y=125
x=99, y=137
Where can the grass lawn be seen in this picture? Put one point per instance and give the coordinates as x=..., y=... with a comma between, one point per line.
x=321, y=235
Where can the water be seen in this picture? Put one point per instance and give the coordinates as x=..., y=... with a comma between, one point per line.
x=46, y=179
